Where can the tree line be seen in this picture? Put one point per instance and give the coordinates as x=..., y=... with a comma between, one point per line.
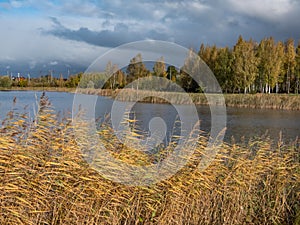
x=251, y=67
x=247, y=67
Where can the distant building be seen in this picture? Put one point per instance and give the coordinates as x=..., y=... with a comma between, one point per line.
x=18, y=78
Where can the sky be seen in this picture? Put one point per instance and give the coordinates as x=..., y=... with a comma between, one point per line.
x=67, y=36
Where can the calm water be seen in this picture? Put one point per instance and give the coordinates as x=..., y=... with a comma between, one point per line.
x=240, y=122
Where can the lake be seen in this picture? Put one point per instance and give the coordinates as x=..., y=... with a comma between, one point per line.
x=242, y=123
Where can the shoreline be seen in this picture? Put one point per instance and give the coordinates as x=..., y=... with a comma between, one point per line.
x=253, y=101
x=50, y=89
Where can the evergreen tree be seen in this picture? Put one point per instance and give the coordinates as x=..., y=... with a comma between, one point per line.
x=172, y=73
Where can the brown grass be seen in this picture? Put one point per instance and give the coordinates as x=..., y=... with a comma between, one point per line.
x=54, y=89
x=44, y=180
x=258, y=101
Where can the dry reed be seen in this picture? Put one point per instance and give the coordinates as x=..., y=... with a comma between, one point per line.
x=258, y=101
x=44, y=180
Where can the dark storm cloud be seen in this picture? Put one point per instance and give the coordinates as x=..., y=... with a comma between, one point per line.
x=121, y=34
x=259, y=19
x=188, y=22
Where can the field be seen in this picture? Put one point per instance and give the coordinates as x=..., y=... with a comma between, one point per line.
x=45, y=180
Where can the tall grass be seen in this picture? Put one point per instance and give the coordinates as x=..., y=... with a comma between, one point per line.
x=258, y=101
x=48, y=89
x=264, y=101
x=44, y=180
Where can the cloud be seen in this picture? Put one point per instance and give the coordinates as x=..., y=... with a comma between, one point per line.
x=258, y=19
x=187, y=22
x=270, y=10
x=53, y=63
x=23, y=46
x=176, y=21
x=79, y=31
x=121, y=34
x=17, y=4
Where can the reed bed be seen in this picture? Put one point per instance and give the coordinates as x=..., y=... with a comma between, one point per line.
x=258, y=101
x=48, y=89
x=44, y=180
x=264, y=101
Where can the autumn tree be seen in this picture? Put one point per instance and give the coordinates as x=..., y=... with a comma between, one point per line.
x=204, y=53
x=159, y=68
x=290, y=63
x=5, y=81
x=245, y=64
x=189, y=68
x=121, y=78
x=109, y=74
x=72, y=81
x=61, y=80
x=172, y=73
x=270, y=66
x=223, y=69
x=136, y=69
x=297, y=71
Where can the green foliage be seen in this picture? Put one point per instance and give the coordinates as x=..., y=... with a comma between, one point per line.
x=5, y=82
x=23, y=83
x=73, y=81
x=94, y=80
x=223, y=69
x=172, y=73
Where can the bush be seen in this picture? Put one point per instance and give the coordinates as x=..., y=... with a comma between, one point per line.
x=5, y=82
